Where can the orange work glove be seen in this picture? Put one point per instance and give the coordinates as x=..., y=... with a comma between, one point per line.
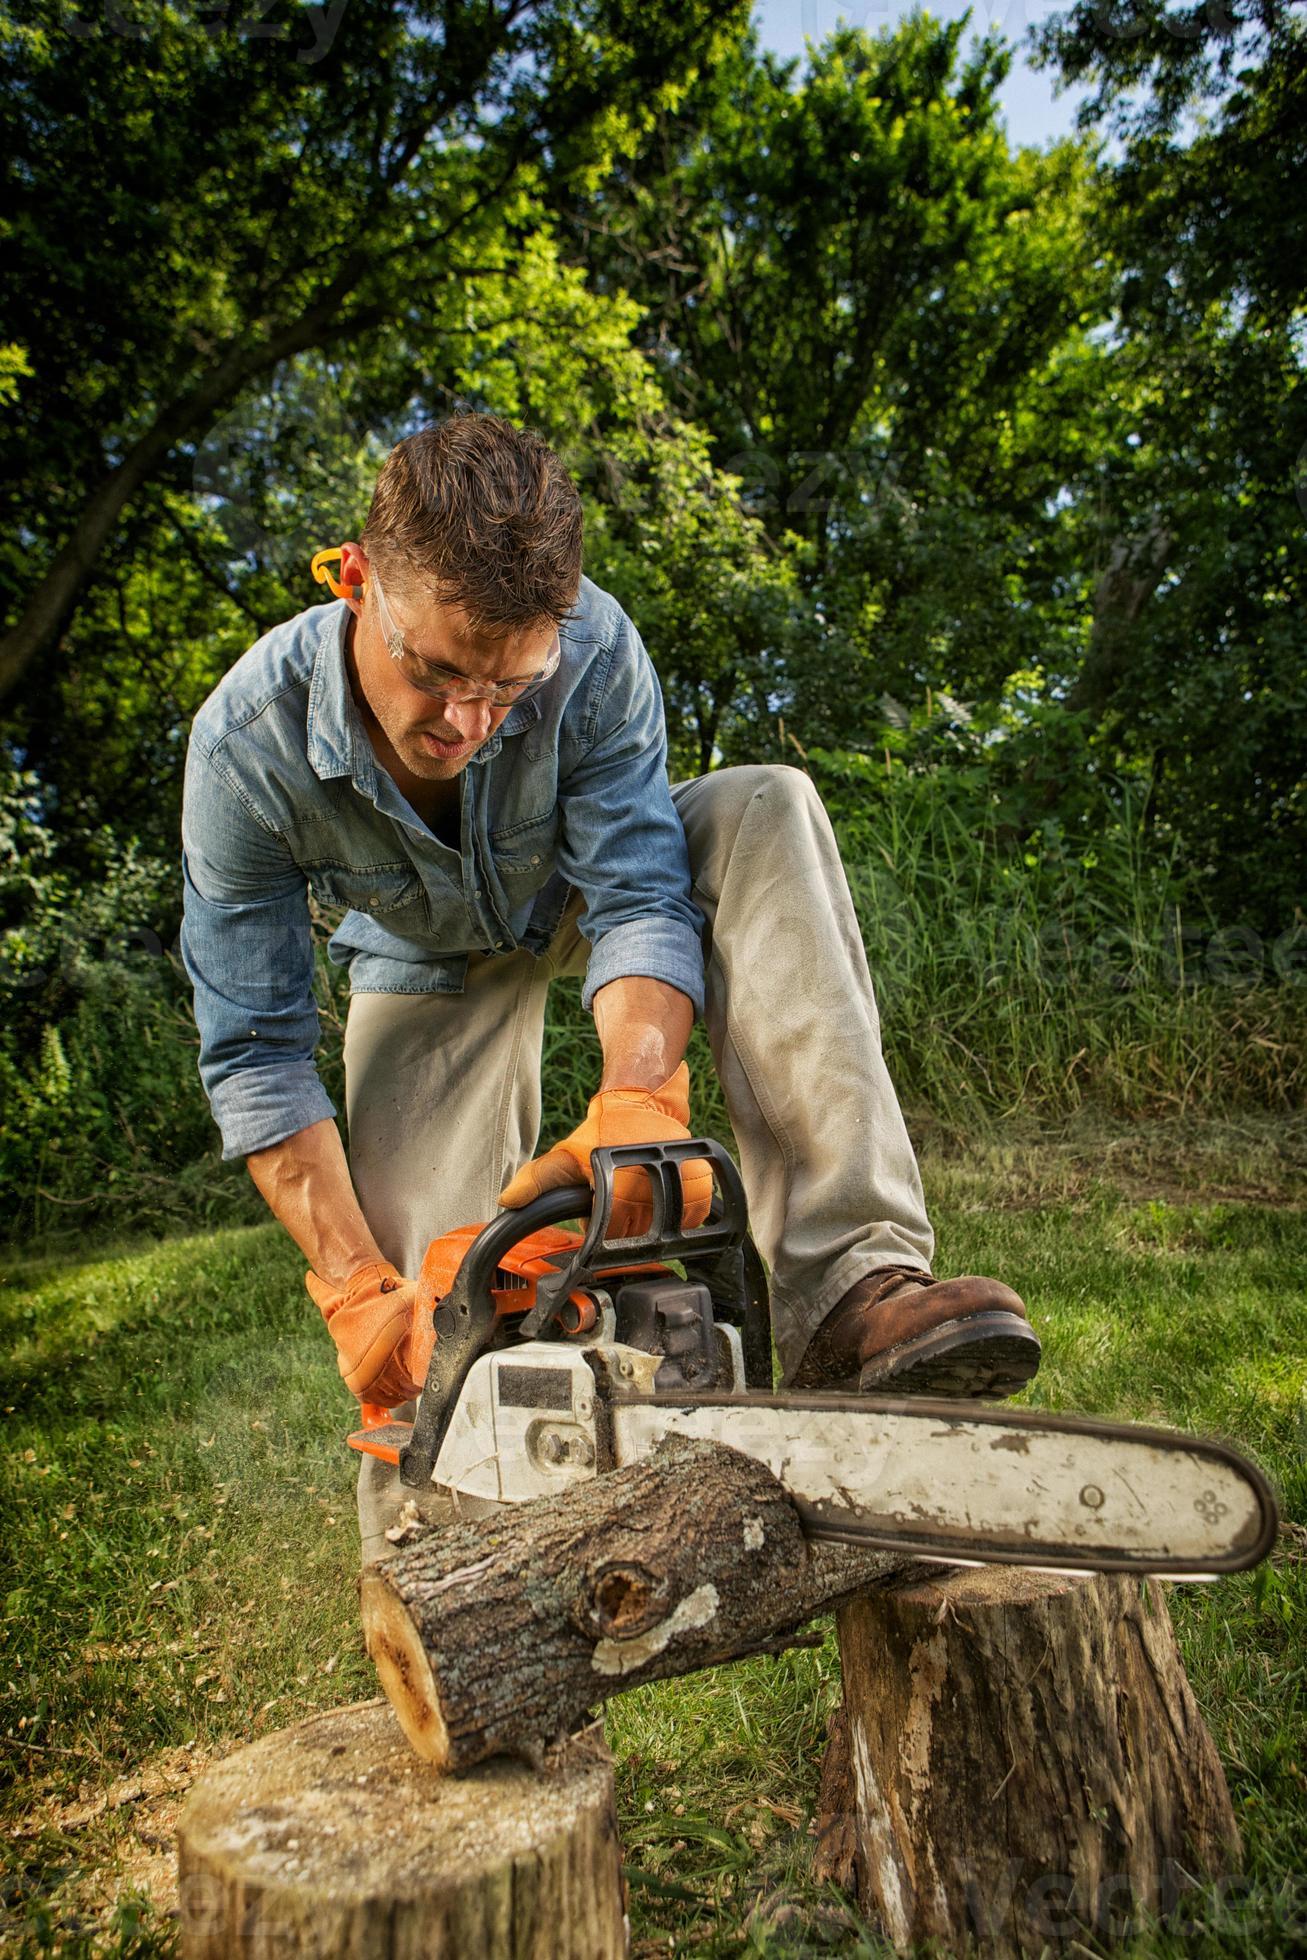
x=383, y=1342
x=622, y=1116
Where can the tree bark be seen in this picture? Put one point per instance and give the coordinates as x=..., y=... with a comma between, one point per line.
x=1134, y=570
x=1019, y=1761
x=331, y=1838
x=500, y=1635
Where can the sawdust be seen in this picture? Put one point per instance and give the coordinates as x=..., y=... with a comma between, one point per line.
x=118, y=1839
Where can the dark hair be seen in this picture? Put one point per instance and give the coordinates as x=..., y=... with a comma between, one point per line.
x=482, y=515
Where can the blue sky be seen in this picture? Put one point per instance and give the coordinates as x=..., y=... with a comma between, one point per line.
x=1034, y=113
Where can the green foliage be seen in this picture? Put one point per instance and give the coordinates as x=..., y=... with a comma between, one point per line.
x=865, y=408
x=103, y=1121
x=200, y=211
x=881, y=317
x=714, y=603
x=1196, y=662
x=192, y=209
x=1025, y=959
x=784, y=235
x=1193, y=509
x=101, y=1111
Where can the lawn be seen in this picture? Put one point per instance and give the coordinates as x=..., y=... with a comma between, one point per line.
x=180, y=1545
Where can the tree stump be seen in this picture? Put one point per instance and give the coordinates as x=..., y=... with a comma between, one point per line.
x=1019, y=1760
x=499, y=1635
x=333, y=1839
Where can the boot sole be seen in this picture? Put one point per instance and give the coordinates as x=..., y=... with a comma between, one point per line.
x=986, y=1356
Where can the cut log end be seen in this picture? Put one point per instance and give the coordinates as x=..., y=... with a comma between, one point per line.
x=403, y=1669
x=333, y=1839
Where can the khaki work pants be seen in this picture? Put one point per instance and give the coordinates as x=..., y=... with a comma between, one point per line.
x=443, y=1090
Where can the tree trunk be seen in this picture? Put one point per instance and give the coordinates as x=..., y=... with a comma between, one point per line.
x=1135, y=568
x=332, y=1839
x=500, y=1635
x=1020, y=1760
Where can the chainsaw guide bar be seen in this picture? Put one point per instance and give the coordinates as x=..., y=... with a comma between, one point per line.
x=972, y=1483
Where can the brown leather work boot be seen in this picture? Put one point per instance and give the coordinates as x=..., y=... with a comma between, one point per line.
x=900, y=1331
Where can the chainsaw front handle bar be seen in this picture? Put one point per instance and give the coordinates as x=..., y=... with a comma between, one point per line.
x=465, y=1321
x=667, y=1238
x=466, y=1318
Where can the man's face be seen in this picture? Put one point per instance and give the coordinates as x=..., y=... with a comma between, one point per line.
x=433, y=737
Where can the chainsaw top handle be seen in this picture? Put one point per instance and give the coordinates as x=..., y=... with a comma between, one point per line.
x=466, y=1317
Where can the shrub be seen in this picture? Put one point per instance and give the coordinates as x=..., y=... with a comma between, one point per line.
x=102, y=1117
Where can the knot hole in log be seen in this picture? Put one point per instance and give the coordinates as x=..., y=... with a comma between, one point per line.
x=621, y=1601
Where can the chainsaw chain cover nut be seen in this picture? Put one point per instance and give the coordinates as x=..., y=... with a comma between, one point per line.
x=553, y=1447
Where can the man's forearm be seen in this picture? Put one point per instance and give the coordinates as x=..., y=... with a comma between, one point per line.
x=643, y=1026
x=306, y=1184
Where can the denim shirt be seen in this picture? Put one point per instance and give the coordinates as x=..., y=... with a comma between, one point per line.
x=284, y=796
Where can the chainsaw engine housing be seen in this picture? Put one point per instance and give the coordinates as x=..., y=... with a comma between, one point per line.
x=529, y=1420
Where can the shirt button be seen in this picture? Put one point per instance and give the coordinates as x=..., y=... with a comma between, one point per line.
x=503, y=946
x=535, y=860
x=477, y=894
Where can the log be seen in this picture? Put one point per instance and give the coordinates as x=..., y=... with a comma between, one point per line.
x=333, y=1839
x=501, y=1634
x=1021, y=1761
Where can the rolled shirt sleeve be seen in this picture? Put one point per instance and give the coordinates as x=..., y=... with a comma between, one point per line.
x=248, y=951
x=621, y=842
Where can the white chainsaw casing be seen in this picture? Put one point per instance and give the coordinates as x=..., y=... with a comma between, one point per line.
x=524, y=1426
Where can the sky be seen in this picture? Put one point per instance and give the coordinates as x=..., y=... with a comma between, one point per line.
x=1034, y=113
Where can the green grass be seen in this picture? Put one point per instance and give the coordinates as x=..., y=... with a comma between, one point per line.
x=170, y=1593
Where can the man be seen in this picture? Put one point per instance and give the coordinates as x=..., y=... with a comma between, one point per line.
x=467, y=750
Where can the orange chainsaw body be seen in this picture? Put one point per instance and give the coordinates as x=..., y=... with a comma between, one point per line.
x=529, y=1260
x=513, y=1293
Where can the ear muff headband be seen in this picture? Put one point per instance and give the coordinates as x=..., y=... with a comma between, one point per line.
x=318, y=566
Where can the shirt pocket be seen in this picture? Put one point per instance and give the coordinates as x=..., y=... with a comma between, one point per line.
x=379, y=889
x=523, y=856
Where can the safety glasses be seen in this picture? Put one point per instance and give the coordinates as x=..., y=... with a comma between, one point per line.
x=442, y=683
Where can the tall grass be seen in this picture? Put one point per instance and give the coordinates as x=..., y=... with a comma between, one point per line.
x=1032, y=975
x=1026, y=976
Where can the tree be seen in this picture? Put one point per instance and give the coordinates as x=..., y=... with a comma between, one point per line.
x=190, y=207
x=1194, y=516
x=884, y=319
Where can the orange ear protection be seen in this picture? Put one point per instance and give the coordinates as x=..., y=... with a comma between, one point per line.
x=318, y=566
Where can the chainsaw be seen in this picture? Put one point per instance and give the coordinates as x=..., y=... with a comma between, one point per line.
x=563, y=1354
